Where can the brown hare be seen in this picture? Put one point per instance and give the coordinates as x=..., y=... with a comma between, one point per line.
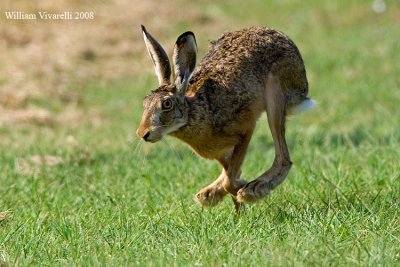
x=214, y=108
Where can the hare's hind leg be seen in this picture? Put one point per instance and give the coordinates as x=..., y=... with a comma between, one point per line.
x=275, y=105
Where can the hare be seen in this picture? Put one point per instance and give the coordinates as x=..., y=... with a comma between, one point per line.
x=214, y=108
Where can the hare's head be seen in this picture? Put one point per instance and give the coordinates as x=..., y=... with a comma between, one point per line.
x=165, y=108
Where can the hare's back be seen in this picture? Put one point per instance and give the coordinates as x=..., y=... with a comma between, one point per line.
x=241, y=58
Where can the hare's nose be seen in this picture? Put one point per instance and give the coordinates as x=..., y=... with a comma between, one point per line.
x=146, y=136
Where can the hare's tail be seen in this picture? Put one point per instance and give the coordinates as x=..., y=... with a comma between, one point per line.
x=304, y=106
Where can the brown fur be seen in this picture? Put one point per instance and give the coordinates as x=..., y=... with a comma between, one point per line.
x=244, y=73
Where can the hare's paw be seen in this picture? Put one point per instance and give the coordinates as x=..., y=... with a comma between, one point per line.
x=210, y=195
x=253, y=191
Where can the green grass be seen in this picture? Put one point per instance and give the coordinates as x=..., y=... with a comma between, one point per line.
x=116, y=201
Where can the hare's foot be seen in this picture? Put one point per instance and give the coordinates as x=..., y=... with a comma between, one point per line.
x=211, y=195
x=260, y=187
x=253, y=191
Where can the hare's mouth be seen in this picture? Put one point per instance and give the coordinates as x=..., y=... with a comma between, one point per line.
x=153, y=140
x=157, y=133
x=151, y=136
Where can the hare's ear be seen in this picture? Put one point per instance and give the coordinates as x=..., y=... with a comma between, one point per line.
x=184, y=59
x=159, y=58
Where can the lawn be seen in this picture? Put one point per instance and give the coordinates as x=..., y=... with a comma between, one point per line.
x=77, y=187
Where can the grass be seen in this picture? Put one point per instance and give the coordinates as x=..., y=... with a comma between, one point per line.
x=112, y=200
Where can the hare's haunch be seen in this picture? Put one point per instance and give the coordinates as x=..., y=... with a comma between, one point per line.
x=214, y=107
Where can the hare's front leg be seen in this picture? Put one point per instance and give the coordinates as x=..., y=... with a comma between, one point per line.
x=232, y=182
x=228, y=181
x=212, y=194
x=275, y=175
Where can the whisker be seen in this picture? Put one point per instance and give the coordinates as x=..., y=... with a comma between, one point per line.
x=174, y=150
x=138, y=144
x=140, y=155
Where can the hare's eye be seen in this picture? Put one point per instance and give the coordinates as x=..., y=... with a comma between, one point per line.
x=167, y=104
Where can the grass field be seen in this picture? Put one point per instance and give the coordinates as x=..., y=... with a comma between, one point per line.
x=78, y=188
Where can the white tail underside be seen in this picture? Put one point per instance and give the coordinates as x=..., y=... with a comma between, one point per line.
x=304, y=106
